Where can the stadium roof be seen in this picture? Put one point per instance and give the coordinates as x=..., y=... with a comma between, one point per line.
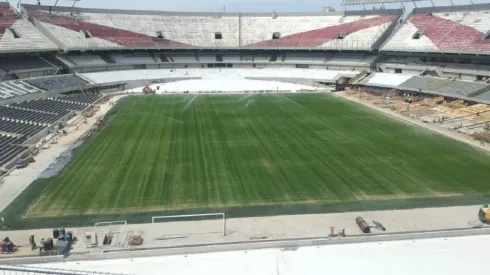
x=153, y=12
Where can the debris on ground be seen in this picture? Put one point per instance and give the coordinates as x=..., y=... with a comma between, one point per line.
x=379, y=226
x=135, y=240
x=365, y=228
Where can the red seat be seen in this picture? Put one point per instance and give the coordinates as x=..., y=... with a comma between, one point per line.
x=449, y=35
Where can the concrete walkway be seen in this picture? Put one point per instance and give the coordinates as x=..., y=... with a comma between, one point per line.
x=189, y=233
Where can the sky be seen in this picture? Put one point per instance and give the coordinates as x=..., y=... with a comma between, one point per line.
x=230, y=5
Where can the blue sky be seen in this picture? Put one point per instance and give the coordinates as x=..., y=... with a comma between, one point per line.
x=231, y=5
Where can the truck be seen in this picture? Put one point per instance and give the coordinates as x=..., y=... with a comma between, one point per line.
x=24, y=162
x=20, y=165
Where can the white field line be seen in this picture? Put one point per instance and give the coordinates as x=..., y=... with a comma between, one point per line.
x=185, y=97
x=245, y=97
x=293, y=101
x=248, y=103
x=161, y=116
x=188, y=104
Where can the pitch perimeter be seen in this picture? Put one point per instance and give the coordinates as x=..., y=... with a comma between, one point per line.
x=178, y=152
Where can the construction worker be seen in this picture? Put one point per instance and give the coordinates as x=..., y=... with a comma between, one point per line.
x=32, y=241
x=482, y=142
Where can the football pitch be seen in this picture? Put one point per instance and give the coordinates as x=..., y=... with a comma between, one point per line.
x=206, y=151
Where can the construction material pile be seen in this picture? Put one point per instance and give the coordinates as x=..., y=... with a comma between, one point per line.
x=6, y=246
x=135, y=240
x=457, y=104
x=432, y=101
x=484, y=136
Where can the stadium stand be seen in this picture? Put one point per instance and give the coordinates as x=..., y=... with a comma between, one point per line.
x=90, y=61
x=78, y=29
x=22, y=120
x=10, y=147
x=87, y=98
x=23, y=63
x=454, y=67
x=15, y=114
x=445, y=86
x=459, y=29
x=431, y=85
x=208, y=58
x=233, y=58
x=349, y=32
x=133, y=58
x=82, y=59
x=59, y=105
x=352, y=62
x=27, y=129
x=58, y=82
x=52, y=106
x=17, y=34
x=183, y=58
x=305, y=58
x=10, y=89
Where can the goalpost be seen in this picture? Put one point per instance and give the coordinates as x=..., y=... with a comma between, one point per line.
x=222, y=215
x=114, y=228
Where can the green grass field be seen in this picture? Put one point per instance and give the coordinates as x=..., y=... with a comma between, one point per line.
x=180, y=152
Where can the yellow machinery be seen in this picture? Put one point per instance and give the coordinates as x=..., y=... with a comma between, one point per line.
x=484, y=213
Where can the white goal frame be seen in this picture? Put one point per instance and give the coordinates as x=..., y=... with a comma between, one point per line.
x=223, y=215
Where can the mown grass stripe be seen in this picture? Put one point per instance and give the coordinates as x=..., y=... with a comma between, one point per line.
x=217, y=153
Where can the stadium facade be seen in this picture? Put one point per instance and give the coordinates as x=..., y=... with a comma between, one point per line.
x=47, y=52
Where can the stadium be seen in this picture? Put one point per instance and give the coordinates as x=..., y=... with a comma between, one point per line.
x=213, y=133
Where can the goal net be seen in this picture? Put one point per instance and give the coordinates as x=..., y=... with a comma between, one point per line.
x=193, y=217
